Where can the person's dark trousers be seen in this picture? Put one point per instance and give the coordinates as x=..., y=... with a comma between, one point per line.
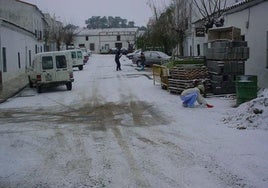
x=118, y=65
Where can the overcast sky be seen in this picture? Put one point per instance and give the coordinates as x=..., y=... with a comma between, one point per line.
x=77, y=11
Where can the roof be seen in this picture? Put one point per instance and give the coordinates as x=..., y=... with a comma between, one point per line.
x=238, y=7
x=32, y=6
x=3, y=20
x=242, y=5
x=86, y=31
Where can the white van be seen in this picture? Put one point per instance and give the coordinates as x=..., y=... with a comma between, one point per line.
x=51, y=69
x=77, y=58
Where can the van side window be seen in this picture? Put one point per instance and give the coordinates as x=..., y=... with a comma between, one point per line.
x=61, y=61
x=73, y=55
x=79, y=55
x=47, y=62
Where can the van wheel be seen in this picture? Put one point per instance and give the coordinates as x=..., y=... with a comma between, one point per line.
x=69, y=86
x=80, y=67
x=39, y=89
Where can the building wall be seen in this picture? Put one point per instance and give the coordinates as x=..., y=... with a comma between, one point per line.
x=254, y=26
x=21, y=36
x=20, y=49
x=23, y=14
x=106, y=38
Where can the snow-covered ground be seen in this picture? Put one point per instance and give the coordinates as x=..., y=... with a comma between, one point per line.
x=118, y=129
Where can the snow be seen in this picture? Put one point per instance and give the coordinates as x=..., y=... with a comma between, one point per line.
x=118, y=129
x=250, y=115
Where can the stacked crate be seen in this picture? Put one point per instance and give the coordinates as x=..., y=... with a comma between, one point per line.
x=185, y=76
x=225, y=58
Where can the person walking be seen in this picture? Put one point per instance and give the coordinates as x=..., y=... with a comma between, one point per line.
x=117, y=59
x=190, y=96
x=142, y=61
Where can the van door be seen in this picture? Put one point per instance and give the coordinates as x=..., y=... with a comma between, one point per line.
x=74, y=57
x=47, y=73
x=62, y=73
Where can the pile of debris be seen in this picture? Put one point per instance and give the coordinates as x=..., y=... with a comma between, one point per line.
x=250, y=115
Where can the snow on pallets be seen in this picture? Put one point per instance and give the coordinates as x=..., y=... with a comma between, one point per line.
x=183, y=77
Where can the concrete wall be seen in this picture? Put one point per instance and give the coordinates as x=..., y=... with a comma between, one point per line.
x=253, y=23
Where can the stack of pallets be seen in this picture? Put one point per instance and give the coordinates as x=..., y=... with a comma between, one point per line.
x=184, y=77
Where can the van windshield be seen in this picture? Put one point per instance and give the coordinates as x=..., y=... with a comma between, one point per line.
x=61, y=61
x=47, y=62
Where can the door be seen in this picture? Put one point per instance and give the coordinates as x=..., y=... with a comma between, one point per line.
x=47, y=69
x=62, y=73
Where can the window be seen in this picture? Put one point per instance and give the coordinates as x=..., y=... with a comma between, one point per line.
x=40, y=35
x=118, y=38
x=61, y=61
x=19, y=60
x=36, y=50
x=47, y=62
x=79, y=55
x=73, y=55
x=30, y=58
x=92, y=46
x=4, y=60
x=86, y=38
x=198, y=50
x=267, y=50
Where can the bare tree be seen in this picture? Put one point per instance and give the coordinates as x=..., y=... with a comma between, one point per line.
x=182, y=15
x=68, y=33
x=157, y=6
x=211, y=11
x=53, y=32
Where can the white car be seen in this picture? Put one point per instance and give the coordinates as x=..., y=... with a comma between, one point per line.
x=152, y=57
x=51, y=69
x=131, y=55
x=77, y=58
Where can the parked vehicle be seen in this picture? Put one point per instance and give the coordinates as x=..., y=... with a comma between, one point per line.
x=77, y=58
x=152, y=57
x=113, y=50
x=130, y=55
x=85, y=55
x=124, y=51
x=136, y=57
x=51, y=69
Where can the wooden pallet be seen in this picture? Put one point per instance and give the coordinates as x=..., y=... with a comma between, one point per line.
x=189, y=73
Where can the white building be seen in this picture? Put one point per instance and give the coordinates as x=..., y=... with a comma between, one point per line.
x=102, y=40
x=21, y=36
x=250, y=16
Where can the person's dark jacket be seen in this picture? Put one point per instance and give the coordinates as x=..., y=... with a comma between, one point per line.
x=117, y=55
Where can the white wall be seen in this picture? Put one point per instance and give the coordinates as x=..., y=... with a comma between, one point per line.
x=256, y=36
x=15, y=41
x=104, y=37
